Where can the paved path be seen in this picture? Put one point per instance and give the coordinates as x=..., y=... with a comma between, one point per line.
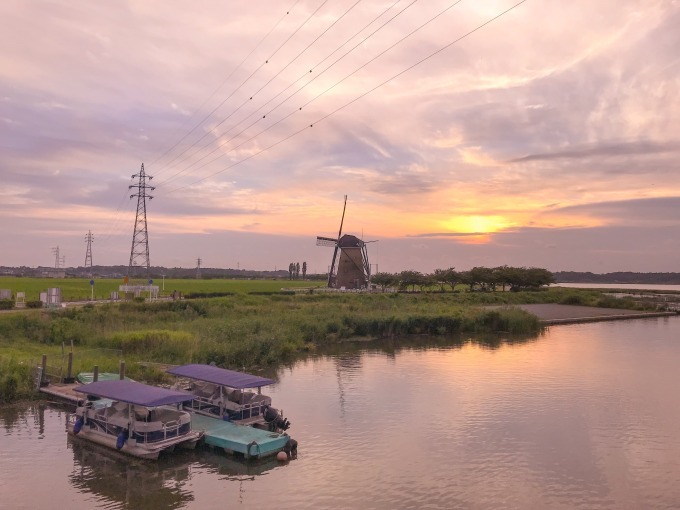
x=564, y=314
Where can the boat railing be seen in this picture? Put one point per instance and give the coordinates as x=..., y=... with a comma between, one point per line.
x=172, y=428
x=167, y=430
x=201, y=403
x=251, y=410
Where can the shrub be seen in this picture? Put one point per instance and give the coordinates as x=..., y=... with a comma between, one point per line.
x=15, y=380
x=6, y=304
x=572, y=299
x=34, y=304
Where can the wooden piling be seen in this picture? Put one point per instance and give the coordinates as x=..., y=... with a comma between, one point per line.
x=95, y=373
x=69, y=375
x=43, y=372
x=122, y=370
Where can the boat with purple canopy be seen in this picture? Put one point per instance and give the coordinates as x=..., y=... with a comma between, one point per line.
x=138, y=419
x=226, y=394
x=233, y=413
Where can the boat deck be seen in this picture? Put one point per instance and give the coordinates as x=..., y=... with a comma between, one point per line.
x=249, y=441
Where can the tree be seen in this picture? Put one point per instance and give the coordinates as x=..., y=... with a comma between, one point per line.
x=411, y=278
x=482, y=276
x=466, y=279
x=291, y=270
x=297, y=270
x=384, y=280
x=439, y=278
x=446, y=277
x=304, y=270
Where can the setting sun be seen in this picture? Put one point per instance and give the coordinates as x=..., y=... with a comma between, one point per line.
x=477, y=224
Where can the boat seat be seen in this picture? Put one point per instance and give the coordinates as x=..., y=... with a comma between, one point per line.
x=205, y=390
x=141, y=414
x=234, y=395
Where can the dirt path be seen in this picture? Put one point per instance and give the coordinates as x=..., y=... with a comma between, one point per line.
x=564, y=314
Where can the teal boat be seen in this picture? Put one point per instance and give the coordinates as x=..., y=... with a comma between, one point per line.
x=88, y=377
x=232, y=416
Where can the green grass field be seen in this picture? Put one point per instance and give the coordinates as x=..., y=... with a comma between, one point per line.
x=79, y=289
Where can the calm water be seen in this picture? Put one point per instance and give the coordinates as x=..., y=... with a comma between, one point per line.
x=584, y=416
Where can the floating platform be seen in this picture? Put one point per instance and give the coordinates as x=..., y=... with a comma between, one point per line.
x=249, y=441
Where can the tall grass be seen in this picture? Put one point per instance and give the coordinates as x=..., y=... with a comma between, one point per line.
x=246, y=330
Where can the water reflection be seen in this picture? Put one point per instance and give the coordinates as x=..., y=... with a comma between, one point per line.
x=123, y=482
x=16, y=418
x=352, y=350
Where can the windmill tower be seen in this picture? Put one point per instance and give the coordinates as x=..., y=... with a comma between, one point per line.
x=353, y=270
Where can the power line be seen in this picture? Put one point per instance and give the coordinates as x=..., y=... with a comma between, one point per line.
x=178, y=159
x=424, y=59
x=246, y=80
x=318, y=75
x=221, y=85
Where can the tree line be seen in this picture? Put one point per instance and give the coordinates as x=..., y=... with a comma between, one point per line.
x=477, y=278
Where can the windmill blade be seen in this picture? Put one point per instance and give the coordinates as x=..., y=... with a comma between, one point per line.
x=343, y=218
x=367, y=265
x=330, y=273
x=326, y=241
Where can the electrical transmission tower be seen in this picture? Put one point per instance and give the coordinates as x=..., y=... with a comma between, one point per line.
x=198, y=269
x=89, y=238
x=58, y=261
x=139, y=254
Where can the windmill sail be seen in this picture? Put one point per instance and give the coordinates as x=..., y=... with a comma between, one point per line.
x=326, y=241
x=335, y=252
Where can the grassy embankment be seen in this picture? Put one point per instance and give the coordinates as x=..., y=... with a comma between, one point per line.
x=246, y=331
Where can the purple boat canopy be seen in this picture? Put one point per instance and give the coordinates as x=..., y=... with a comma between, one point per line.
x=221, y=376
x=136, y=393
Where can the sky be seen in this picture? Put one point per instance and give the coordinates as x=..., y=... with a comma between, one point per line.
x=464, y=134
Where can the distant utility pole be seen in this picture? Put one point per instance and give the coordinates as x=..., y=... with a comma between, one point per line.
x=139, y=253
x=89, y=238
x=198, y=268
x=58, y=261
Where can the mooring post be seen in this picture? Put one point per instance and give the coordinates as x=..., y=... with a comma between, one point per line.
x=122, y=370
x=70, y=368
x=95, y=373
x=44, y=370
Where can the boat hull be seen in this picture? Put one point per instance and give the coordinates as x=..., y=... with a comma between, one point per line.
x=148, y=451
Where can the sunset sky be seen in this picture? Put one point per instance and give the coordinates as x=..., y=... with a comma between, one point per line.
x=464, y=133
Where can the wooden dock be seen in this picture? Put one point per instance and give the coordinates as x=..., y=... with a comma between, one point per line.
x=62, y=392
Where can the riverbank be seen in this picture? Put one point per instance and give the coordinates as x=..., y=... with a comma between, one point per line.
x=245, y=332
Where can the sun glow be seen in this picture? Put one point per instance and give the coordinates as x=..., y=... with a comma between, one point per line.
x=477, y=224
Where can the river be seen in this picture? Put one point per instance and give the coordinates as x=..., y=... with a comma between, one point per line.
x=583, y=416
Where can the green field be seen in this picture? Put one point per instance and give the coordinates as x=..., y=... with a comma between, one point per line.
x=79, y=289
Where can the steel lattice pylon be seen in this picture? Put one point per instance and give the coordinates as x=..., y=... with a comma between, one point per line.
x=140, y=237
x=89, y=239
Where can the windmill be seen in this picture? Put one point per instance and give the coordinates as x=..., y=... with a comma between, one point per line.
x=353, y=270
